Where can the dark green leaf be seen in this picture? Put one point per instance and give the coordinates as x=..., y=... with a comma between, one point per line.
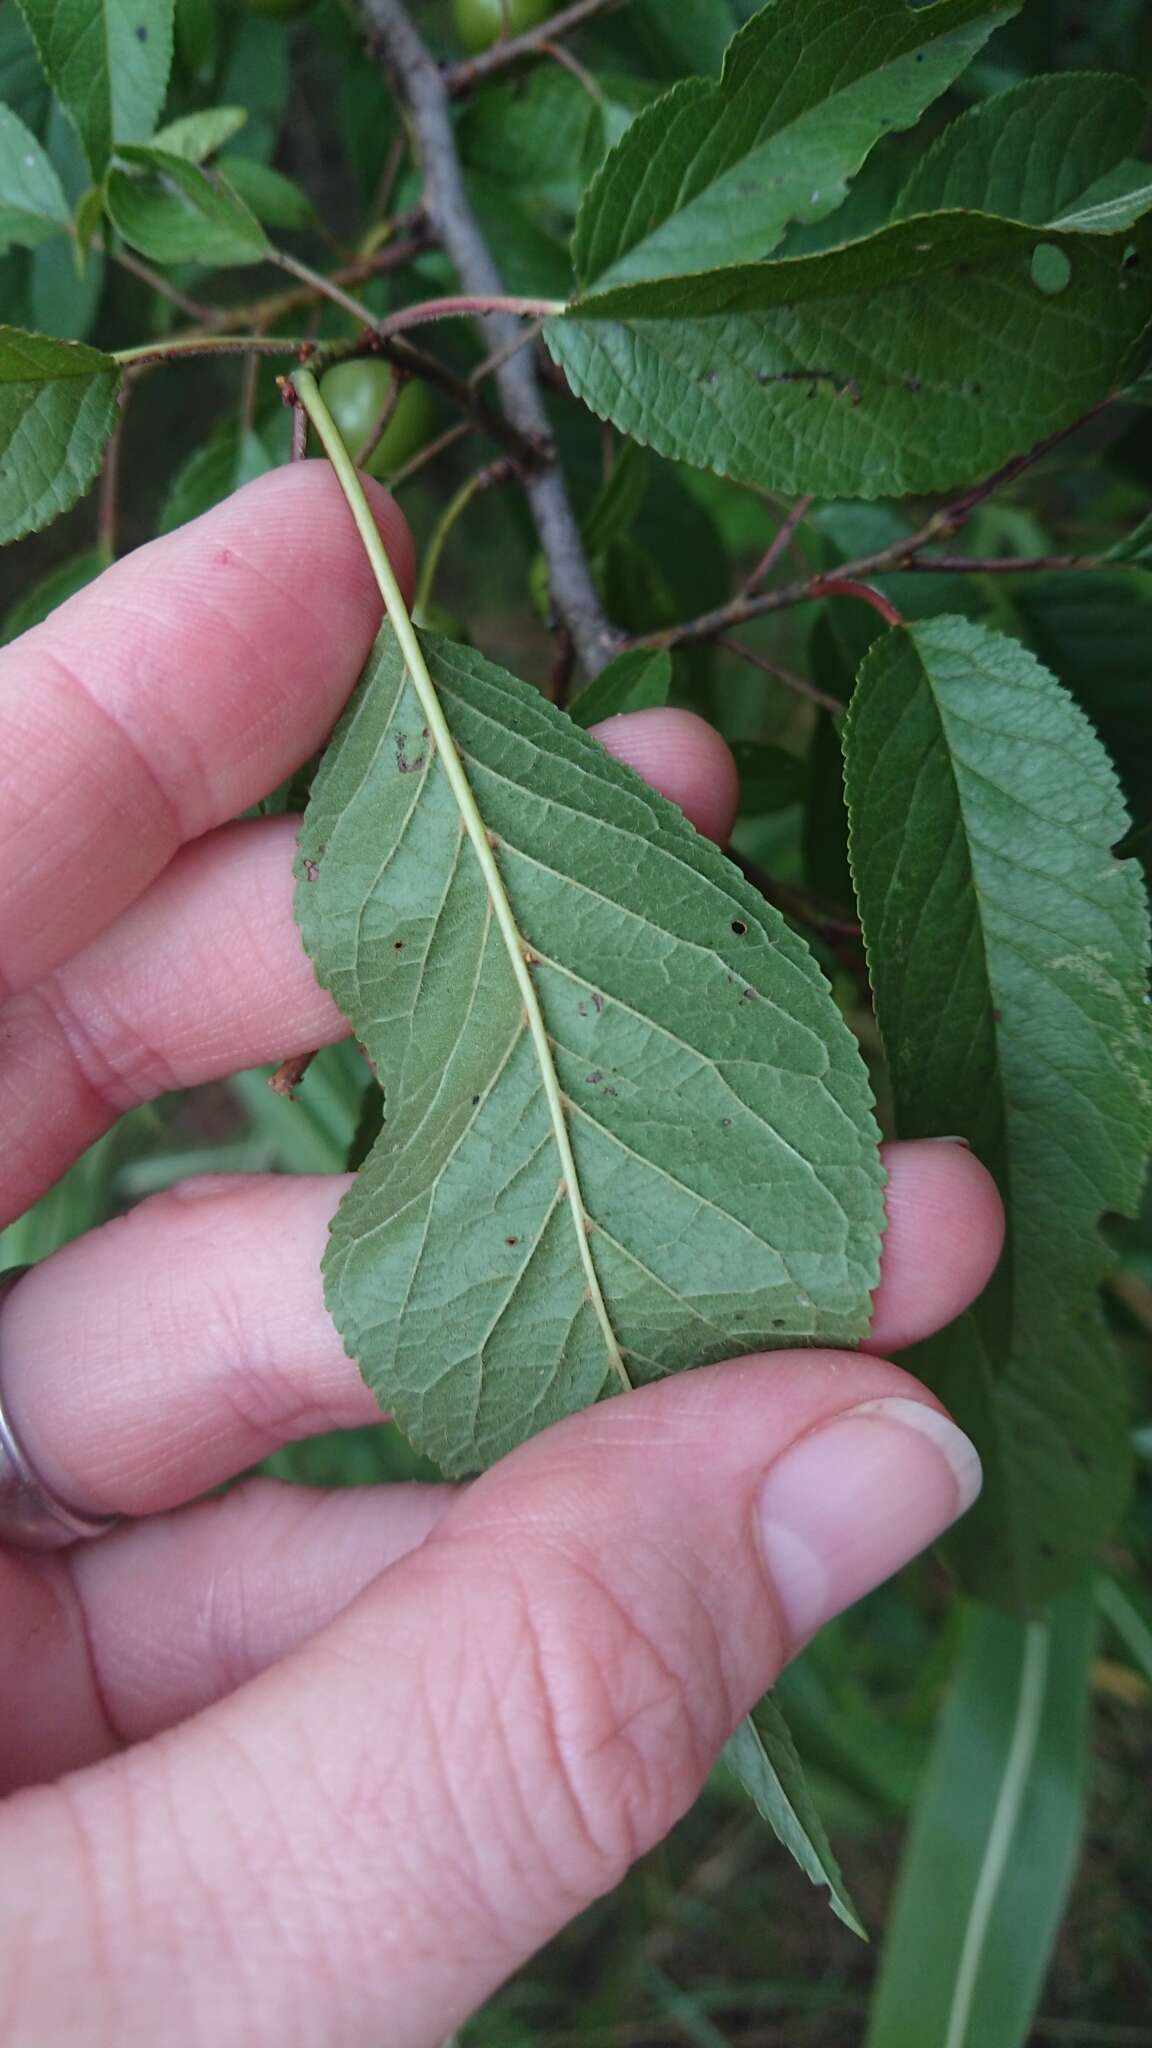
x=57, y=409
x=637, y=681
x=617, y=504
x=230, y=458
x=1007, y=949
x=1093, y=629
x=1037, y=154
x=715, y=174
x=920, y=358
x=763, y=1757
x=174, y=212
x=770, y=777
x=994, y=1837
x=197, y=136
x=716, y=1106
x=32, y=203
x=107, y=62
x=539, y=137
x=52, y=590
x=273, y=198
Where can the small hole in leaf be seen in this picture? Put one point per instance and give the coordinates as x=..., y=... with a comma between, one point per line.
x=511, y=1240
x=739, y=927
x=397, y=945
x=1051, y=269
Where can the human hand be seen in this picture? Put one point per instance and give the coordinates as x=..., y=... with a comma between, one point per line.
x=317, y=1769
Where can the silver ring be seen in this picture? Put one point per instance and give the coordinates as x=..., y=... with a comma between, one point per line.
x=32, y=1517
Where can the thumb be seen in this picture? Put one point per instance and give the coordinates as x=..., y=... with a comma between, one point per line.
x=362, y=1843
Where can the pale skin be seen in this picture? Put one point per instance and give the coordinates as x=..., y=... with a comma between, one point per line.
x=288, y=1768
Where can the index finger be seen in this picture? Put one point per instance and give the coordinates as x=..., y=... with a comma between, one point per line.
x=180, y=687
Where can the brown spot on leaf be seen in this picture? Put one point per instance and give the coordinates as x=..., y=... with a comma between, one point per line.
x=311, y=870
x=597, y=1001
x=403, y=764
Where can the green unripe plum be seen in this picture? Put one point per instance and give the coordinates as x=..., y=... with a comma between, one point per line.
x=480, y=23
x=282, y=10
x=356, y=393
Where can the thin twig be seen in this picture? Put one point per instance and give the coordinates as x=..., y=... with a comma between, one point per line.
x=162, y=286
x=393, y=255
x=289, y=1074
x=995, y=565
x=424, y=96
x=497, y=472
x=383, y=420
x=573, y=66
x=460, y=78
x=108, y=508
x=781, y=541
x=429, y=453
x=787, y=676
x=900, y=555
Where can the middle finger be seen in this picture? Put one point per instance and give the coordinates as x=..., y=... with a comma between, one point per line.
x=154, y=1358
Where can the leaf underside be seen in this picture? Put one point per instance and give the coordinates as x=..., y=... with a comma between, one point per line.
x=763, y=1756
x=917, y=359
x=1008, y=950
x=717, y=1107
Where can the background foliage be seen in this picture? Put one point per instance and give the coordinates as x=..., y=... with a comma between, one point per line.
x=762, y=311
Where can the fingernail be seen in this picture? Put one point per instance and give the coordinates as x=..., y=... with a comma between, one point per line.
x=855, y=1499
x=950, y=1138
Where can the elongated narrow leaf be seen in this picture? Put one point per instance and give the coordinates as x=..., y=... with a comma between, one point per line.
x=763, y=1756
x=1048, y=151
x=725, y=1188
x=994, y=1837
x=715, y=174
x=919, y=358
x=32, y=202
x=1007, y=948
x=175, y=212
x=636, y=681
x=57, y=409
x=274, y=199
x=107, y=61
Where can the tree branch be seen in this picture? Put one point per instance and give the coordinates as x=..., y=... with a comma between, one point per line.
x=424, y=96
x=460, y=78
x=906, y=554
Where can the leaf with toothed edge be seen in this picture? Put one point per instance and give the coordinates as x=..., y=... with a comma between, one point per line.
x=727, y=1190
x=57, y=410
x=1008, y=949
x=918, y=358
x=714, y=174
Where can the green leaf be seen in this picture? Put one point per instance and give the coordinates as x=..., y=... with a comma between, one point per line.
x=762, y=1755
x=227, y=460
x=1093, y=629
x=637, y=681
x=617, y=504
x=994, y=1837
x=1128, y=1611
x=1007, y=948
x=273, y=198
x=922, y=357
x=57, y=410
x=770, y=777
x=32, y=203
x=538, y=137
x=64, y=581
x=197, y=136
x=1038, y=154
x=724, y=1193
x=107, y=61
x=1136, y=547
x=175, y=213
x=715, y=174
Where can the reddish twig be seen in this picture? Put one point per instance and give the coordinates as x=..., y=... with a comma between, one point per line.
x=780, y=542
x=847, y=586
x=791, y=681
